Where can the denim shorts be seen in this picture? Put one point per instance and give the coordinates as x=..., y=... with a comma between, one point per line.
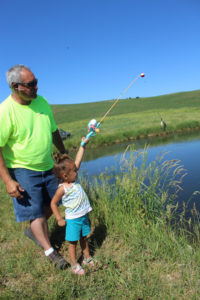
x=77, y=228
x=39, y=188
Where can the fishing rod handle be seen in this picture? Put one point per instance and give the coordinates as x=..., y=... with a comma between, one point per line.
x=88, y=136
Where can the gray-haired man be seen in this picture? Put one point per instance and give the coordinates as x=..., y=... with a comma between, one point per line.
x=27, y=132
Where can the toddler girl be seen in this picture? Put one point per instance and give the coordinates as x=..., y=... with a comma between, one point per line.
x=77, y=208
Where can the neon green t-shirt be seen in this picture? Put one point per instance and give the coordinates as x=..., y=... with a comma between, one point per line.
x=26, y=134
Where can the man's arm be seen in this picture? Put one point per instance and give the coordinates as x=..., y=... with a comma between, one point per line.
x=58, y=142
x=13, y=187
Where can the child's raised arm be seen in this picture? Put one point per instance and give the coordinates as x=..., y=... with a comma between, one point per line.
x=56, y=198
x=80, y=153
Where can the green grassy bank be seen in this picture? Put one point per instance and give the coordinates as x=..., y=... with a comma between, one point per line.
x=140, y=255
x=131, y=118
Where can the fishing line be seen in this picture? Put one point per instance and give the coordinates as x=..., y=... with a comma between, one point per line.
x=93, y=125
x=141, y=75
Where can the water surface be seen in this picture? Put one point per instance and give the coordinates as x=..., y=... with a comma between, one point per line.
x=184, y=147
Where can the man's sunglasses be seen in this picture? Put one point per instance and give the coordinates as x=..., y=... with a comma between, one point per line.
x=30, y=84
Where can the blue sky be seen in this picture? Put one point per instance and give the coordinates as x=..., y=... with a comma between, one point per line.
x=90, y=50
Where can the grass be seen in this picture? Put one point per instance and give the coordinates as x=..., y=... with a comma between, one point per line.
x=143, y=252
x=131, y=118
x=140, y=254
x=74, y=112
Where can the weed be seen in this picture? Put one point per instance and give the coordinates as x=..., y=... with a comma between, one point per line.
x=140, y=254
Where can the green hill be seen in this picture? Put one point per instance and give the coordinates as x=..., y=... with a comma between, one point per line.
x=131, y=118
x=74, y=112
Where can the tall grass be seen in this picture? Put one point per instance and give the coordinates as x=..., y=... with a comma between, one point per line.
x=140, y=190
x=140, y=255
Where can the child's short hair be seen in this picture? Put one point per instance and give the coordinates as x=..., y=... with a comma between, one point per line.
x=63, y=162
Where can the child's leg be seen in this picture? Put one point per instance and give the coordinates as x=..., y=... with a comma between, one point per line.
x=76, y=268
x=88, y=260
x=85, y=247
x=72, y=252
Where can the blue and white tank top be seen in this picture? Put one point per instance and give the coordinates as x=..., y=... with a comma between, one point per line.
x=76, y=201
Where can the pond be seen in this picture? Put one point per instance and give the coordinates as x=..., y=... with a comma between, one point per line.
x=184, y=147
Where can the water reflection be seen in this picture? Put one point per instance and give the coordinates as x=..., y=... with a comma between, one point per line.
x=109, y=150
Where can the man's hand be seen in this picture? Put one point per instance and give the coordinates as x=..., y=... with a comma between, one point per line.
x=14, y=189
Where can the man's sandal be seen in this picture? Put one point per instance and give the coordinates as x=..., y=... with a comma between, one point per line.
x=77, y=269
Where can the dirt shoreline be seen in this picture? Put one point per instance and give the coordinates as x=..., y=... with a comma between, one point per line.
x=139, y=137
x=165, y=133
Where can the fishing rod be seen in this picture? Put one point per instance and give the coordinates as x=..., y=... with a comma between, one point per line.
x=93, y=125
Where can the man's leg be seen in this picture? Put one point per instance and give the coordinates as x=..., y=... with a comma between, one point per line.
x=31, y=207
x=29, y=232
x=39, y=228
x=48, y=190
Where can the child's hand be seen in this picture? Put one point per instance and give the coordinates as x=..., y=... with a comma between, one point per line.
x=86, y=141
x=61, y=222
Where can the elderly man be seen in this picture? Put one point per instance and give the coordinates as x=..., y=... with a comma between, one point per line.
x=27, y=132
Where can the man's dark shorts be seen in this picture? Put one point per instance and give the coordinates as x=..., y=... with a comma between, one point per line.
x=39, y=188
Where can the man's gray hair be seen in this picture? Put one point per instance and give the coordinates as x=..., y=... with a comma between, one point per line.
x=14, y=74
